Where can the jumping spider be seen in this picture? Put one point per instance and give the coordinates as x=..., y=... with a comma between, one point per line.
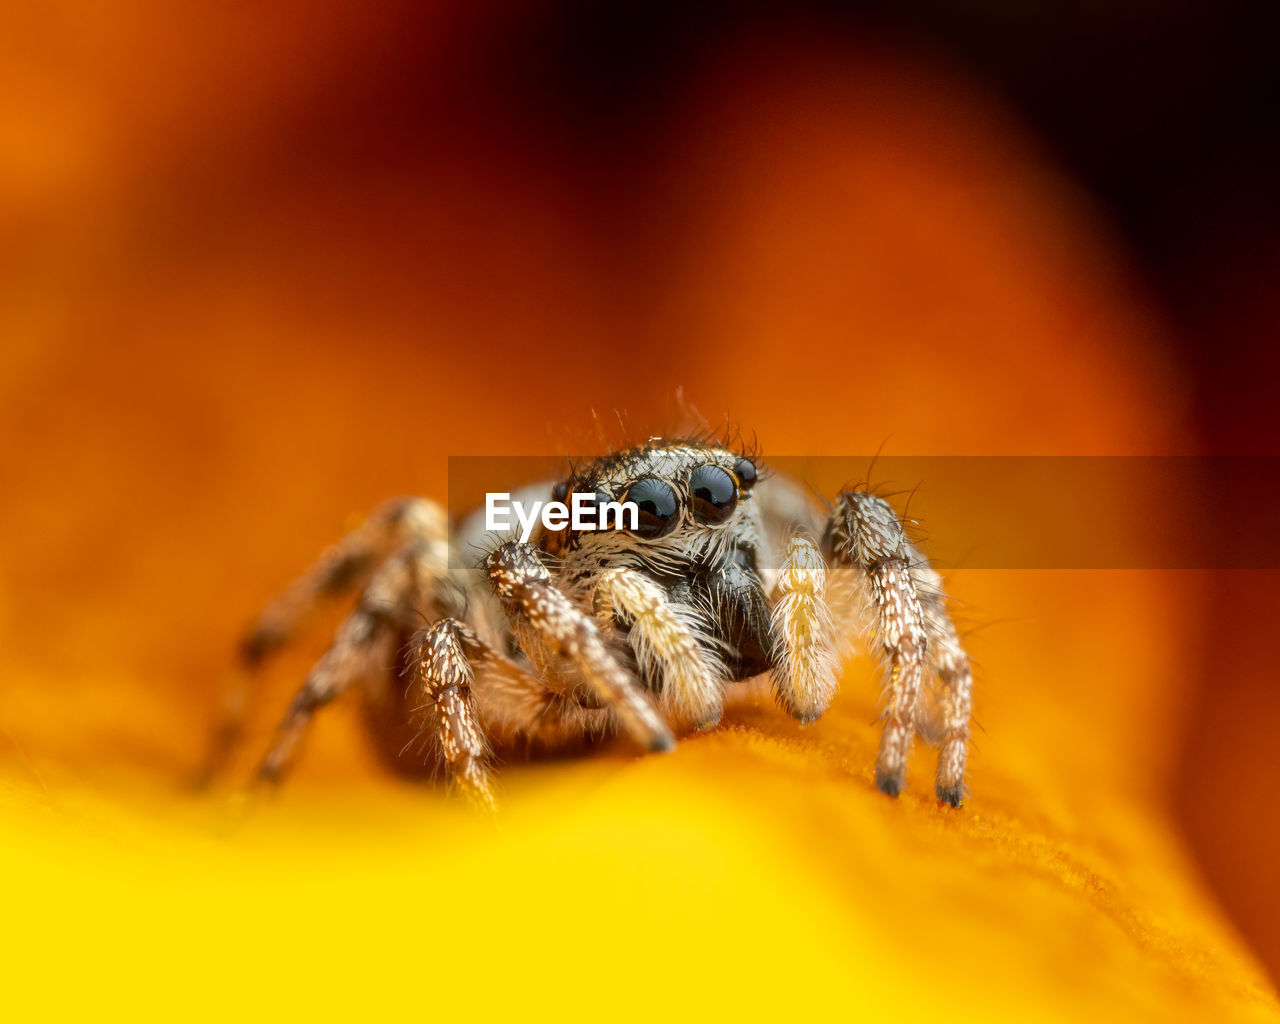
x=726, y=576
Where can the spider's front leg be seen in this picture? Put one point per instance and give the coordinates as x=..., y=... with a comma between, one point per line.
x=450, y=664
x=950, y=663
x=444, y=673
x=913, y=632
x=524, y=587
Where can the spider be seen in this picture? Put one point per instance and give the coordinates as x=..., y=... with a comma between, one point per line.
x=727, y=574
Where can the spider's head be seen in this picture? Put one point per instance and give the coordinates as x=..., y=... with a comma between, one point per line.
x=693, y=504
x=696, y=534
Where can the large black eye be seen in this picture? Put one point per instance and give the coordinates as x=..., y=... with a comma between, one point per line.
x=714, y=493
x=560, y=491
x=746, y=470
x=593, y=508
x=658, y=506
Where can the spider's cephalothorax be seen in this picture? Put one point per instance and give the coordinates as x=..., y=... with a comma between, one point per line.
x=695, y=545
x=724, y=576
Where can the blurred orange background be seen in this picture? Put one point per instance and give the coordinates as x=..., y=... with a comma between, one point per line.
x=266, y=267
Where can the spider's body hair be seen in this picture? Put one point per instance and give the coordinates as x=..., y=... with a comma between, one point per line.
x=689, y=543
x=641, y=629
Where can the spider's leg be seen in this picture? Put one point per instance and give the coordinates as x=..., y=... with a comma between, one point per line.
x=805, y=664
x=363, y=648
x=518, y=707
x=346, y=566
x=865, y=534
x=524, y=587
x=443, y=678
x=950, y=664
x=451, y=666
x=664, y=638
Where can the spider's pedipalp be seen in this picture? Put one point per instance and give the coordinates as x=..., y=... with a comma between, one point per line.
x=664, y=636
x=804, y=671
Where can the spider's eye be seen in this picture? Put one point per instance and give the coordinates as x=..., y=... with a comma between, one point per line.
x=592, y=506
x=658, y=506
x=746, y=470
x=560, y=491
x=714, y=493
